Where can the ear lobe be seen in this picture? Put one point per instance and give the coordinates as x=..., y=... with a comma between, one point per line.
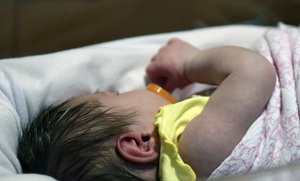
x=135, y=148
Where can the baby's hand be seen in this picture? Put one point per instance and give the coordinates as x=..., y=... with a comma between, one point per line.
x=168, y=66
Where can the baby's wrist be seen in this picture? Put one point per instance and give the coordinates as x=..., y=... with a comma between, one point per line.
x=187, y=70
x=190, y=68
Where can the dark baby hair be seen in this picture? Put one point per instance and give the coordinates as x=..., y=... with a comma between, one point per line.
x=75, y=140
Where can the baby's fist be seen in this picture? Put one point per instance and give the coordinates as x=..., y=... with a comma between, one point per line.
x=168, y=66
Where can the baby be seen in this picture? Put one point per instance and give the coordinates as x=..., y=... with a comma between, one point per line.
x=138, y=135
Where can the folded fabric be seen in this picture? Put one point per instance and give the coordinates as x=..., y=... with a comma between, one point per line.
x=171, y=121
x=274, y=138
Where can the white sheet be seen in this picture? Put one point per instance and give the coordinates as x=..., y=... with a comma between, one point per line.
x=27, y=83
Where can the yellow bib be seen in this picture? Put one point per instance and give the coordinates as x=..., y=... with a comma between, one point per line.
x=171, y=122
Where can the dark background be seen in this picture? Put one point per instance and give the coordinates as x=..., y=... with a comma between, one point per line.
x=30, y=27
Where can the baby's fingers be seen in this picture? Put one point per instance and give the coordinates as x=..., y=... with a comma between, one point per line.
x=154, y=74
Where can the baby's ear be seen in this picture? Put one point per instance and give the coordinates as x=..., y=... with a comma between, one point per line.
x=136, y=148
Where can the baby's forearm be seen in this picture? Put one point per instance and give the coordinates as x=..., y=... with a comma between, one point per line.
x=246, y=81
x=214, y=65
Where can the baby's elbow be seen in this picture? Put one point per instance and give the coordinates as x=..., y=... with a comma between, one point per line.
x=270, y=75
x=266, y=75
x=260, y=72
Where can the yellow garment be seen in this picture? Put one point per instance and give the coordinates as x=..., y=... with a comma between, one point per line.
x=171, y=122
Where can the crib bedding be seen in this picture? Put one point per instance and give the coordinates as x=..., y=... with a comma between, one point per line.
x=28, y=83
x=273, y=140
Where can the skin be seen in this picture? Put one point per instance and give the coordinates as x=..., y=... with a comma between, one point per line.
x=246, y=81
x=146, y=105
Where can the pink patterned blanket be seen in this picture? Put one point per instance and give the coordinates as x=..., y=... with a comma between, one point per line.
x=274, y=138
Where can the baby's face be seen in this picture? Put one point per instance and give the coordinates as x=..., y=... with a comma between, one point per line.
x=144, y=103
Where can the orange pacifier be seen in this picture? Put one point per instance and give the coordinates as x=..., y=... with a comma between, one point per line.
x=162, y=92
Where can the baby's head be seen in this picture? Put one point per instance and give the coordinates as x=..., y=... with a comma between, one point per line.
x=105, y=136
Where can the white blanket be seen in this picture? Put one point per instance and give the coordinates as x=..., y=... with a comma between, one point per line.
x=28, y=83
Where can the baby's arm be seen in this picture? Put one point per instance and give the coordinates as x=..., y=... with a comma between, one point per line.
x=246, y=81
